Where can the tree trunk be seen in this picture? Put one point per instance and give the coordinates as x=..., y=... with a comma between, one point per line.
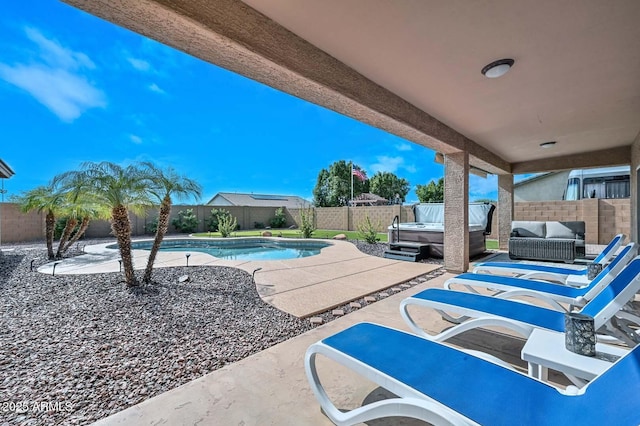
x=66, y=233
x=122, y=229
x=49, y=226
x=163, y=225
x=83, y=227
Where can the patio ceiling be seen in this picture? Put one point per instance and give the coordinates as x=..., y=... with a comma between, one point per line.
x=413, y=67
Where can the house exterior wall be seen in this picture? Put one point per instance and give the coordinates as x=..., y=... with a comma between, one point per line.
x=219, y=201
x=546, y=188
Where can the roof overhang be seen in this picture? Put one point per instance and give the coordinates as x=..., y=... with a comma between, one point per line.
x=5, y=171
x=413, y=68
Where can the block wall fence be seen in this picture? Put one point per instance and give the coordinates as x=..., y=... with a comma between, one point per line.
x=603, y=218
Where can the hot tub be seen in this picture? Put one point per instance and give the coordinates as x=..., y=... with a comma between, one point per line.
x=429, y=228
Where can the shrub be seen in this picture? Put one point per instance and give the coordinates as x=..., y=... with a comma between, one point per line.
x=186, y=221
x=306, y=222
x=368, y=231
x=152, y=226
x=227, y=225
x=214, y=218
x=258, y=225
x=280, y=220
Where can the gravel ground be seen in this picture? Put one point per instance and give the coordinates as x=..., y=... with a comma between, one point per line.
x=74, y=349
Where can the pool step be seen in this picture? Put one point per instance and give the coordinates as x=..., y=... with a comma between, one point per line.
x=407, y=250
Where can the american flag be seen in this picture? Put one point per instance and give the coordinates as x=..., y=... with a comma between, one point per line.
x=359, y=174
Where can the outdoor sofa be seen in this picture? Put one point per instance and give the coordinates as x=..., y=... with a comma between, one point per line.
x=548, y=241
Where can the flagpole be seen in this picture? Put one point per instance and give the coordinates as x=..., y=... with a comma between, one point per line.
x=352, y=182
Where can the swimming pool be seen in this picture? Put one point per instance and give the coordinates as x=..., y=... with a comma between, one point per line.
x=239, y=248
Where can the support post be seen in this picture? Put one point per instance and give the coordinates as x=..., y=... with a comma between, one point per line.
x=635, y=190
x=456, y=212
x=505, y=209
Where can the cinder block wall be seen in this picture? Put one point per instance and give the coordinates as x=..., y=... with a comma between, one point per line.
x=614, y=217
x=603, y=218
x=348, y=218
x=380, y=216
x=20, y=227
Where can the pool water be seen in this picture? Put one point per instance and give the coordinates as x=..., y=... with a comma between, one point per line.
x=240, y=249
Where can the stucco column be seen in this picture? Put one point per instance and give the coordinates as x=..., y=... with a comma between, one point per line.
x=456, y=212
x=505, y=209
x=635, y=165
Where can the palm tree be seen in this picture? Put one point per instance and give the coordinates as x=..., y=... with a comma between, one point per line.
x=119, y=189
x=81, y=209
x=164, y=185
x=47, y=199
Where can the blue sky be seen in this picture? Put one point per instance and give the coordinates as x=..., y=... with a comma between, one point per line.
x=74, y=88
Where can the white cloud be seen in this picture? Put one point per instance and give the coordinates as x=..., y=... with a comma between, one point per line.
x=389, y=164
x=155, y=88
x=404, y=147
x=135, y=139
x=56, y=81
x=56, y=55
x=139, y=64
x=67, y=95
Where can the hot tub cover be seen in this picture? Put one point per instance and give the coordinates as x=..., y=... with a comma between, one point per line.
x=434, y=213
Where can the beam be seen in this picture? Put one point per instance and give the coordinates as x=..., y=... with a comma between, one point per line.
x=603, y=158
x=234, y=36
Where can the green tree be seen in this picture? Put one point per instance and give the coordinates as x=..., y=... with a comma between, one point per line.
x=333, y=186
x=120, y=190
x=388, y=185
x=321, y=190
x=48, y=199
x=432, y=192
x=165, y=185
x=78, y=210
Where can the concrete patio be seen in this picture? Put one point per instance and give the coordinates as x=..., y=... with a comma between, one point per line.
x=270, y=388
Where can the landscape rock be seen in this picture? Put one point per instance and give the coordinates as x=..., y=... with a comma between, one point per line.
x=104, y=348
x=340, y=237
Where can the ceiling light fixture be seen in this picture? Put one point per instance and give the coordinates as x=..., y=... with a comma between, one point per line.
x=497, y=68
x=547, y=144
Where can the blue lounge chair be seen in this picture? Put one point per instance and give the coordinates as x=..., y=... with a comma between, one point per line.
x=553, y=294
x=552, y=273
x=446, y=386
x=521, y=317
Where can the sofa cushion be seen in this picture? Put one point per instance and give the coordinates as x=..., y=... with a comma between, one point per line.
x=529, y=229
x=568, y=230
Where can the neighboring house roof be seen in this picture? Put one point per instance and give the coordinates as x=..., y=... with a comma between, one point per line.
x=257, y=200
x=5, y=171
x=368, y=199
x=534, y=178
